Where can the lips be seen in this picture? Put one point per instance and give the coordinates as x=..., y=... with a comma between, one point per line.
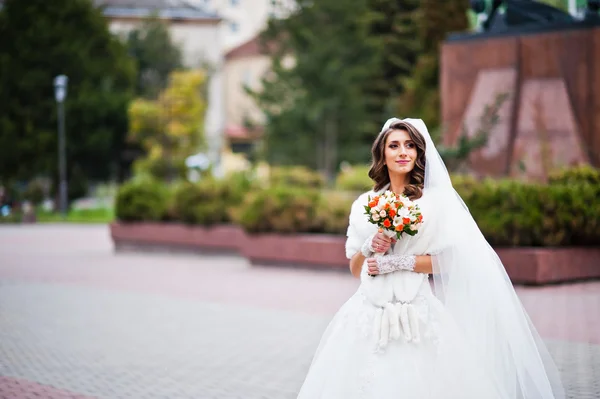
x=402, y=162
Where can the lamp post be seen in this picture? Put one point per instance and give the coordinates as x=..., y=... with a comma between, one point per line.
x=60, y=93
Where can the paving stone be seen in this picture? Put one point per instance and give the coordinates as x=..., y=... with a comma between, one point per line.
x=78, y=321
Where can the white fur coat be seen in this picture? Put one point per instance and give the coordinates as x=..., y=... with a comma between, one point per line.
x=393, y=292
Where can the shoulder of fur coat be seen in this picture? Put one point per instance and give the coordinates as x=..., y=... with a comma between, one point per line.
x=359, y=228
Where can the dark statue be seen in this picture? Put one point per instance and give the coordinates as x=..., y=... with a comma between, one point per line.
x=529, y=14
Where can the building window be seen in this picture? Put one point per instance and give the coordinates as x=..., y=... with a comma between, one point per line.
x=234, y=26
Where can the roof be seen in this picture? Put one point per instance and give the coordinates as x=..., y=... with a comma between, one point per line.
x=168, y=9
x=239, y=132
x=248, y=49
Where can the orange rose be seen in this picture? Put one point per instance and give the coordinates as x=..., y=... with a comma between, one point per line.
x=406, y=220
x=399, y=227
x=372, y=204
x=392, y=213
x=387, y=223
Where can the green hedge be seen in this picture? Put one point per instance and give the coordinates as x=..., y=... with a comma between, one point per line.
x=578, y=174
x=145, y=200
x=280, y=209
x=511, y=213
x=295, y=176
x=355, y=179
x=210, y=201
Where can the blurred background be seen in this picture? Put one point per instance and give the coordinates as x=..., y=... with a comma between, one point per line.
x=241, y=130
x=179, y=91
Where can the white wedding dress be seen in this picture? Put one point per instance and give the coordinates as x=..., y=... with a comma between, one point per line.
x=351, y=361
x=395, y=339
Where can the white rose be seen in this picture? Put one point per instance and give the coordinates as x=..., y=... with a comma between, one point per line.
x=375, y=217
x=382, y=214
x=403, y=213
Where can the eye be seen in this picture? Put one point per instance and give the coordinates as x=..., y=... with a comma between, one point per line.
x=410, y=145
x=393, y=145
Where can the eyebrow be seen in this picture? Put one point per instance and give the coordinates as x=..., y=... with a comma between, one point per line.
x=398, y=142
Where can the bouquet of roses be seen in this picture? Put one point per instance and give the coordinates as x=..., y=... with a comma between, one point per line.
x=394, y=214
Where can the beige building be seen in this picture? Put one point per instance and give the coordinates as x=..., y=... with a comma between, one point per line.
x=243, y=19
x=197, y=32
x=245, y=66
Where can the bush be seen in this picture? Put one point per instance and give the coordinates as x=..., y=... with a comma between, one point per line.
x=464, y=184
x=355, y=179
x=280, y=209
x=295, y=176
x=210, y=201
x=201, y=203
x=333, y=212
x=145, y=200
x=578, y=174
x=35, y=192
x=511, y=213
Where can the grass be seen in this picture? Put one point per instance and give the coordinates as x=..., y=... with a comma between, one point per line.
x=97, y=215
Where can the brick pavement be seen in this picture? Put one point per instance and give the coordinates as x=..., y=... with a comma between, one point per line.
x=76, y=319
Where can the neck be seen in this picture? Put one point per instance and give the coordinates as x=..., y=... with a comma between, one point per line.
x=398, y=182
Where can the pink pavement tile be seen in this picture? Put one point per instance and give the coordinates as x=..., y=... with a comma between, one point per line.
x=84, y=258
x=16, y=388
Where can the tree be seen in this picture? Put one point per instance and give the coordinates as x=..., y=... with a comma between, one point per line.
x=170, y=127
x=314, y=98
x=395, y=24
x=436, y=19
x=41, y=40
x=155, y=54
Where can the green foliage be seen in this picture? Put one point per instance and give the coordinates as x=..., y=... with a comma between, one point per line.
x=160, y=168
x=170, y=128
x=210, y=201
x=333, y=213
x=279, y=209
x=355, y=179
x=435, y=19
x=576, y=175
x=155, y=54
x=41, y=40
x=142, y=200
x=295, y=176
x=93, y=215
x=35, y=192
x=314, y=94
x=394, y=23
x=512, y=213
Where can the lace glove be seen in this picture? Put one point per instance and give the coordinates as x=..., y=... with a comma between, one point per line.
x=392, y=263
x=367, y=249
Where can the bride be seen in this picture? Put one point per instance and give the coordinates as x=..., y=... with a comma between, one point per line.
x=396, y=337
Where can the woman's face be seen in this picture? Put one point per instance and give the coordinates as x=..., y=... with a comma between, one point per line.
x=400, y=152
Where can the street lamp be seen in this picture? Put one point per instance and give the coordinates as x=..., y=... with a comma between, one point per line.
x=60, y=93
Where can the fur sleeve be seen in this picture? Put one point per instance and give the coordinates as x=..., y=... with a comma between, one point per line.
x=358, y=227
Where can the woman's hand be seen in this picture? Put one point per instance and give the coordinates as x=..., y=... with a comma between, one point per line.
x=372, y=265
x=418, y=264
x=381, y=243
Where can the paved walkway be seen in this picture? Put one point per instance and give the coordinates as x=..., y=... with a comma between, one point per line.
x=78, y=321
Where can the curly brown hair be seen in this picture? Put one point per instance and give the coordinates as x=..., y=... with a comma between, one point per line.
x=378, y=171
